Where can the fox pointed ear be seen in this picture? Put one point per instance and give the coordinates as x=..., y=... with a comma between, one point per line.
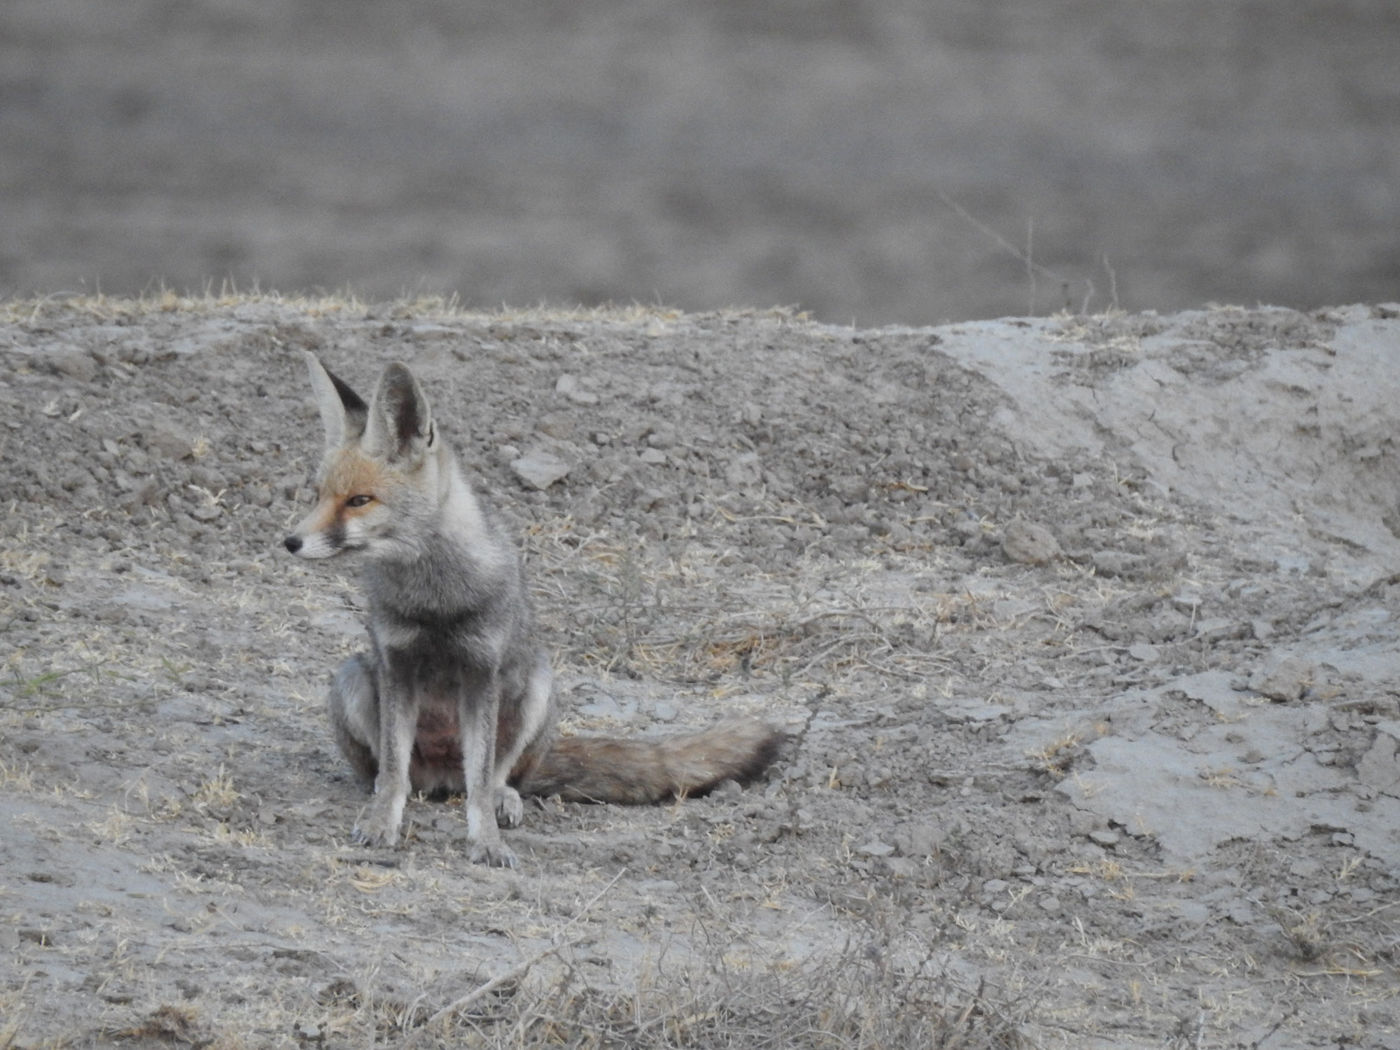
x=400, y=422
x=343, y=412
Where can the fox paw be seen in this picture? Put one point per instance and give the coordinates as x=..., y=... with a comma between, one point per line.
x=375, y=839
x=510, y=811
x=493, y=855
x=376, y=831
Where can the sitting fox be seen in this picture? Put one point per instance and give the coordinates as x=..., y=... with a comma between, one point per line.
x=453, y=693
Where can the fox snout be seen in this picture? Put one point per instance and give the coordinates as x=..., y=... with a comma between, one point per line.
x=325, y=532
x=324, y=542
x=311, y=546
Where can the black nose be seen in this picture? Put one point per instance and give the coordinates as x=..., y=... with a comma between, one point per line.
x=292, y=543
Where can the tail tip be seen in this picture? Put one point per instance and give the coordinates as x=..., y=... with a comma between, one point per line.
x=766, y=744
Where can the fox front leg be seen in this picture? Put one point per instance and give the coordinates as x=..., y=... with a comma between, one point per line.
x=398, y=721
x=481, y=701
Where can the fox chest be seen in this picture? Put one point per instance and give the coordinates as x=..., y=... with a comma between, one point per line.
x=442, y=696
x=438, y=738
x=442, y=699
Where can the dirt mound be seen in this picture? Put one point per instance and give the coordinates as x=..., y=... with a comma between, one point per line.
x=1083, y=629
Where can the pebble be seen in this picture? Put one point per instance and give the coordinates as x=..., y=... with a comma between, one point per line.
x=1117, y=563
x=993, y=888
x=1029, y=543
x=75, y=364
x=1144, y=651
x=169, y=441
x=1285, y=681
x=571, y=387
x=539, y=470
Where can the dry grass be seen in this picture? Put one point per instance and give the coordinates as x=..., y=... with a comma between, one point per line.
x=655, y=617
x=856, y=998
x=106, y=308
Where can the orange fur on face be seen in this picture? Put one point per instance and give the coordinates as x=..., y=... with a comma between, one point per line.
x=349, y=474
x=344, y=475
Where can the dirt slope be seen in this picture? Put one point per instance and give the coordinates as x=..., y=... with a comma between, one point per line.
x=1084, y=628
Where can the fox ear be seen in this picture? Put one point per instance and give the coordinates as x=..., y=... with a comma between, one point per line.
x=400, y=422
x=343, y=412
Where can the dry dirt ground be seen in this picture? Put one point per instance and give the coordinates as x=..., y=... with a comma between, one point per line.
x=1084, y=629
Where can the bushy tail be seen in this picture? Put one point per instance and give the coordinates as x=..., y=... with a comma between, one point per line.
x=638, y=770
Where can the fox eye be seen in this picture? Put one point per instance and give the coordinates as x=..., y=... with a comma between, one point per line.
x=359, y=501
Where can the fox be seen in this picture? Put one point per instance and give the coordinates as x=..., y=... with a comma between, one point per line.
x=454, y=694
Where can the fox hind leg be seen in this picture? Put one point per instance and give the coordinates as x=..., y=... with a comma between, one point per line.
x=524, y=728
x=354, y=709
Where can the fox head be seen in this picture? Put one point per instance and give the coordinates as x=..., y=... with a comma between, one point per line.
x=383, y=473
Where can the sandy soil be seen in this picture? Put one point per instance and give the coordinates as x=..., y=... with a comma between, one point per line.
x=1084, y=629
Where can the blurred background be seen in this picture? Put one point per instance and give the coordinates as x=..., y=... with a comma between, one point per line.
x=874, y=161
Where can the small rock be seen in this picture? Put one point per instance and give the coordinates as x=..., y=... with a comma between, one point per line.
x=1029, y=543
x=1144, y=651
x=556, y=426
x=1218, y=628
x=75, y=364
x=170, y=441
x=899, y=867
x=1379, y=768
x=1304, y=868
x=146, y=493
x=994, y=888
x=729, y=789
x=744, y=471
x=1117, y=563
x=539, y=470
x=919, y=839
x=1187, y=601
x=1285, y=681
x=1240, y=913
x=570, y=387
x=1105, y=837
x=1193, y=912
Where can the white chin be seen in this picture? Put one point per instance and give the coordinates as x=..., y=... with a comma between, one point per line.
x=313, y=550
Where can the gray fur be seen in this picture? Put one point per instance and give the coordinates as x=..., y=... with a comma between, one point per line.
x=454, y=694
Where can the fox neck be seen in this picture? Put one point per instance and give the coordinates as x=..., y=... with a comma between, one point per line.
x=456, y=563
